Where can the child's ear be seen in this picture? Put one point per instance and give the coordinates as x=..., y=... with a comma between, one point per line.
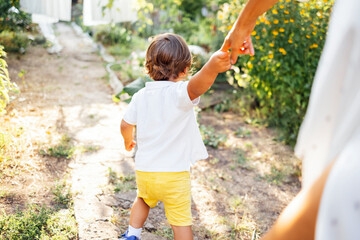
x=185, y=71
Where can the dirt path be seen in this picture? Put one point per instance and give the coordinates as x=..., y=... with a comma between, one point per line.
x=233, y=192
x=67, y=95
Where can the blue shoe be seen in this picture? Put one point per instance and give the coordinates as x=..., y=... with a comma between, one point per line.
x=126, y=237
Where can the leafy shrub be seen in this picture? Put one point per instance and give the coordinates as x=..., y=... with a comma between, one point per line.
x=113, y=34
x=12, y=18
x=5, y=85
x=193, y=20
x=14, y=41
x=288, y=41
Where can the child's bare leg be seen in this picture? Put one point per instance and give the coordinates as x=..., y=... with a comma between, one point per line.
x=182, y=232
x=139, y=213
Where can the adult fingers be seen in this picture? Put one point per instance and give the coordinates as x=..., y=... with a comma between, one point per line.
x=226, y=45
x=234, y=55
x=250, y=46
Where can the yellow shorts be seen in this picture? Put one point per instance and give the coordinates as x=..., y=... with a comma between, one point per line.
x=172, y=188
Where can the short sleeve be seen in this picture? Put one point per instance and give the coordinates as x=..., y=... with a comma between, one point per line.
x=131, y=111
x=183, y=100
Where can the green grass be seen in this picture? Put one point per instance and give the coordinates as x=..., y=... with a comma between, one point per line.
x=42, y=222
x=165, y=232
x=242, y=132
x=62, y=194
x=64, y=149
x=38, y=222
x=276, y=175
x=211, y=137
x=121, y=183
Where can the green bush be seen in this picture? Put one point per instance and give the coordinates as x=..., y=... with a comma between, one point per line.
x=288, y=41
x=113, y=34
x=12, y=18
x=14, y=41
x=5, y=85
x=183, y=17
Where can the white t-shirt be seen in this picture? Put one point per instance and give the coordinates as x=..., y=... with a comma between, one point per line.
x=168, y=137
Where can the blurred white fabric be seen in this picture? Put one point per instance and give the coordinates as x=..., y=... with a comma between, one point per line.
x=95, y=12
x=334, y=107
x=51, y=10
x=331, y=128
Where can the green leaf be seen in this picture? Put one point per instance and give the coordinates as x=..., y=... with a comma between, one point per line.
x=136, y=85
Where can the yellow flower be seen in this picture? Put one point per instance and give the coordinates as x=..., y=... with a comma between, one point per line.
x=267, y=22
x=307, y=36
x=220, y=16
x=257, y=22
x=314, y=45
x=291, y=20
x=288, y=0
x=290, y=40
x=252, y=58
x=275, y=32
x=271, y=55
x=302, y=12
x=276, y=21
x=262, y=19
x=271, y=45
x=314, y=33
x=286, y=12
x=274, y=11
x=281, y=30
x=281, y=6
x=250, y=65
x=257, y=37
x=253, y=33
x=286, y=21
x=313, y=26
x=282, y=51
x=229, y=27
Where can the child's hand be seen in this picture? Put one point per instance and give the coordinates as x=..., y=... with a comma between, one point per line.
x=219, y=62
x=129, y=146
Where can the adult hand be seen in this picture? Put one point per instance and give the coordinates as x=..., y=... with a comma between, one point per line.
x=238, y=43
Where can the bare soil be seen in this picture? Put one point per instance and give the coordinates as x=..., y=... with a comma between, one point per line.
x=242, y=187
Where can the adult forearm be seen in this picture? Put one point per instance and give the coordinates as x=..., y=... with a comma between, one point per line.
x=252, y=10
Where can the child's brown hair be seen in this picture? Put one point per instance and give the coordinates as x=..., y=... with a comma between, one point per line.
x=167, y=57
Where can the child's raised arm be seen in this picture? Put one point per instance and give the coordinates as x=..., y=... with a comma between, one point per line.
x=202, y=80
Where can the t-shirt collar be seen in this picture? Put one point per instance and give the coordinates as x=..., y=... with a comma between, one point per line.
x=158, y=84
